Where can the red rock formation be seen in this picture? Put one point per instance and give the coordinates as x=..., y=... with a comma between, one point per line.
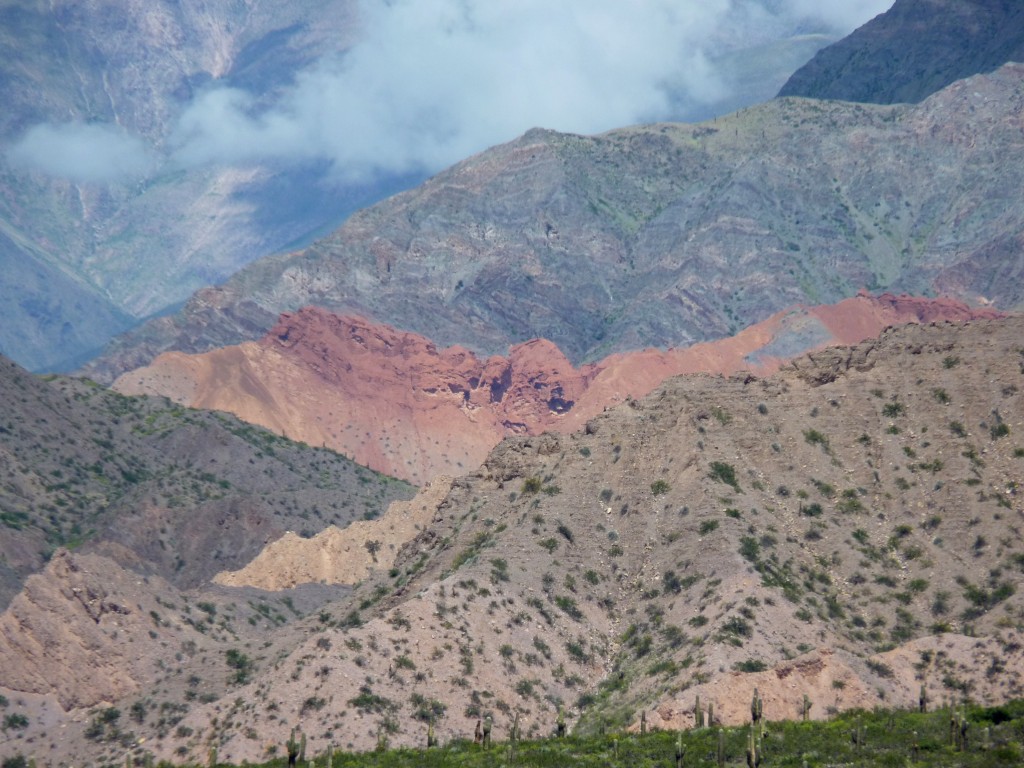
x=395, y=402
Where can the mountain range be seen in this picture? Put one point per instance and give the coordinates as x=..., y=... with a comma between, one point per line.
x=658, y=235
x=842, y=528
x=116, y=204
x=694, y=410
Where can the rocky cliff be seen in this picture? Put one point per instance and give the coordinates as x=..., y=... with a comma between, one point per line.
x=913, y=50
x=395, y=402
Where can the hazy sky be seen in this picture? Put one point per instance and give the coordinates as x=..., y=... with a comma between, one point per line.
x=433, y=81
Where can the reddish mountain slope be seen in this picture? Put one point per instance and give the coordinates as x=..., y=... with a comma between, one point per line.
x=395, y=402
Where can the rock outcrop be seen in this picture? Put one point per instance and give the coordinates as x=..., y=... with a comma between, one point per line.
x=394, y=401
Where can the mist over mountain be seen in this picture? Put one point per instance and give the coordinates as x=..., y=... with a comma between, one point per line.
x=152, y=149
x=659, y=235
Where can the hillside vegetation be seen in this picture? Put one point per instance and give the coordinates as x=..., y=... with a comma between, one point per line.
x=163, y=489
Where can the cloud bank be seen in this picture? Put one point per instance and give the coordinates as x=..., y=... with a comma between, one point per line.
x=83, y=152
x=433, y=81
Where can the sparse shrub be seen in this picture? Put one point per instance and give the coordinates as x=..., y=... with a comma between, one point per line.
x=658, y=487
x=893, y=409
x=707, y=527
x=531, y=485
x=725, y=473
x=750, y=665
x=814, y=437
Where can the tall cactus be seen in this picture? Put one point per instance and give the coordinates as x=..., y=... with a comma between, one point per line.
x=756, y=708
x=643, y=722
x=680, y=750
x=720, y=755
x=805, y=708
x=922, y=699
x=753, y=750
x=302, y=747
x=292, y=745
x=698, y=714
x=560, y=723
x=431, y=736
x=212, y=757
x=711, y=714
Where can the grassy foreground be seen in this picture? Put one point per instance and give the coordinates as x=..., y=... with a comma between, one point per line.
x=994, y=737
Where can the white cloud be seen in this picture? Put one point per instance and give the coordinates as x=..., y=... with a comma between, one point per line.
x=433, y=81
x=82, y=152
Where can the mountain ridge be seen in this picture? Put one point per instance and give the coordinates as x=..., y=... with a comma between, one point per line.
x=599, y=241
x=396, y=403
x=912, y=50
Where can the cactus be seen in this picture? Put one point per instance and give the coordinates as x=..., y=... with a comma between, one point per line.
x=756, y=708
x=147, y=760
x=302, y=747
x=382, y=739
x=127, y=761
x=922, y=699
x=753, y=749
x=680, y=750
x=212, y=761
x=293, y=749
x=487, y=731
x=643, y=722
x=329, y=757
x=721, y=749
x=698, y=714
x=711, y=713
x=515, y=728
x=805, y=708
x=560, y=723
x=986, y=743
x=857, y=734
x=963, y=726
x=431, y=736
x=915, y=746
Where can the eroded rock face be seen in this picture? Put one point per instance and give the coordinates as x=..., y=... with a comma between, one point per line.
x=75, y=630
x=340, y=555
x=396, y=402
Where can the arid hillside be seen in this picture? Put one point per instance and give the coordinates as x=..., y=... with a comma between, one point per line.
x=395, y=402
x=845, y=528
x=160, y=488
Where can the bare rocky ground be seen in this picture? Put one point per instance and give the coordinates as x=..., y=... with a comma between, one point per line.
x=846, y=528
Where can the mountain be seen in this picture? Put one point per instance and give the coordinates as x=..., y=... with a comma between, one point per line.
x=658, y=235
x=162, y=489
x=137, y=163
x=97, y=229
x=396, y=403
x=912, y=50
x=843, y=528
